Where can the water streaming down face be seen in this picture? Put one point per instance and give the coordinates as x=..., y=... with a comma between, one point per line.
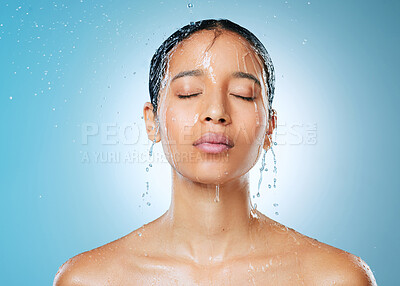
x=216, y=194
x=206, y=63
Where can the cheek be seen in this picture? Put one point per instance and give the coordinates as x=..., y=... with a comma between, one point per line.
x=179, y=124
x=251, y=124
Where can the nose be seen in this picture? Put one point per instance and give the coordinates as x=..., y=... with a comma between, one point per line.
x=215, y=111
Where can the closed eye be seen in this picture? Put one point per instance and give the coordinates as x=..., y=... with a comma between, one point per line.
x=245, y=98
x=188, y=95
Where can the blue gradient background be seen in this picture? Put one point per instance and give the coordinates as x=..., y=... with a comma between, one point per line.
x=67, y=64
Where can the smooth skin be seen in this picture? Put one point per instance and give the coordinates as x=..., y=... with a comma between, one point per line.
x=199, y=241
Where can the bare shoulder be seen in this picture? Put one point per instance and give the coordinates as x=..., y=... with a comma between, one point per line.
x=100, y=266
x=327, y=265
x=320, y=263
x=75, y=271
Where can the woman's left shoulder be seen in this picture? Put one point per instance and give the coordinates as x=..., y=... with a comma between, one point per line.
x=327, y=264
x=321, y=264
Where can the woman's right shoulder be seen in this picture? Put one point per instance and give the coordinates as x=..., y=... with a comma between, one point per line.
x=96, y=266
x=75, y=271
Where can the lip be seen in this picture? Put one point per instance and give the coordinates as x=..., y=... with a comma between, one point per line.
x=213, y=143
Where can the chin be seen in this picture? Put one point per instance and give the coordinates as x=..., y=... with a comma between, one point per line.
x=209, y=173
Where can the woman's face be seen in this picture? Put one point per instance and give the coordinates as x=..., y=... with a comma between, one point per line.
x=227, y=96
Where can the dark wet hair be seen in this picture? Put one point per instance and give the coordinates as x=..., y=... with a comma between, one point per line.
x=160, y=58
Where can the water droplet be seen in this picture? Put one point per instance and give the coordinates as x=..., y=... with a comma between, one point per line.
x=275, y=205
x=147, y=169
x=276, y=213
x=148, y=203
x=190, y=5
x=140, y=234
x=10, y=97
x=150, y=165
x=258, y=194
x=269, y=186
x=275, y=143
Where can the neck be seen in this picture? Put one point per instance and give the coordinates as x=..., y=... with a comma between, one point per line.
x=205, y=229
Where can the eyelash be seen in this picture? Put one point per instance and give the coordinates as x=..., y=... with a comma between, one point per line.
x=245, y=98
x=196, y=94
x=189, y=95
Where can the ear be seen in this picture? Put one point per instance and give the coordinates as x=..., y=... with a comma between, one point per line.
x=272, y=122
x=151, y=122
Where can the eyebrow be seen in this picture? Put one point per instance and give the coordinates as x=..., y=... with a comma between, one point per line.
x=188, y=73
x=246, y=75
x=200, y=73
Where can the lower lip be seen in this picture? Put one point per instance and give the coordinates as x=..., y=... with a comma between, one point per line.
x=213, y=148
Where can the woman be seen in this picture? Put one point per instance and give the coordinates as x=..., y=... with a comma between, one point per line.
x=211, y=89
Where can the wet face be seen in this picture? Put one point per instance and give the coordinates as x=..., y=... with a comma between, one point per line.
x=213, y=108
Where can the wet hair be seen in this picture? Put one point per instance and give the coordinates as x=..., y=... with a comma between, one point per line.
x=160, y=58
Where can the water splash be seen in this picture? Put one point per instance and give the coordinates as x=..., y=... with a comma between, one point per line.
x=274, y=172
x=275, y=169
x=261, y=169
x=150, y=165
x=154, y=141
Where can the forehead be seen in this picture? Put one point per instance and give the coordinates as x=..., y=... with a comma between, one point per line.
x=226, y=52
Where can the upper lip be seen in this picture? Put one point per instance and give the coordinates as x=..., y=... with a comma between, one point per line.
x=214, y=138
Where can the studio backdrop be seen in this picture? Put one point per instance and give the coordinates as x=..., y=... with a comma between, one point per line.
x=75, y=166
